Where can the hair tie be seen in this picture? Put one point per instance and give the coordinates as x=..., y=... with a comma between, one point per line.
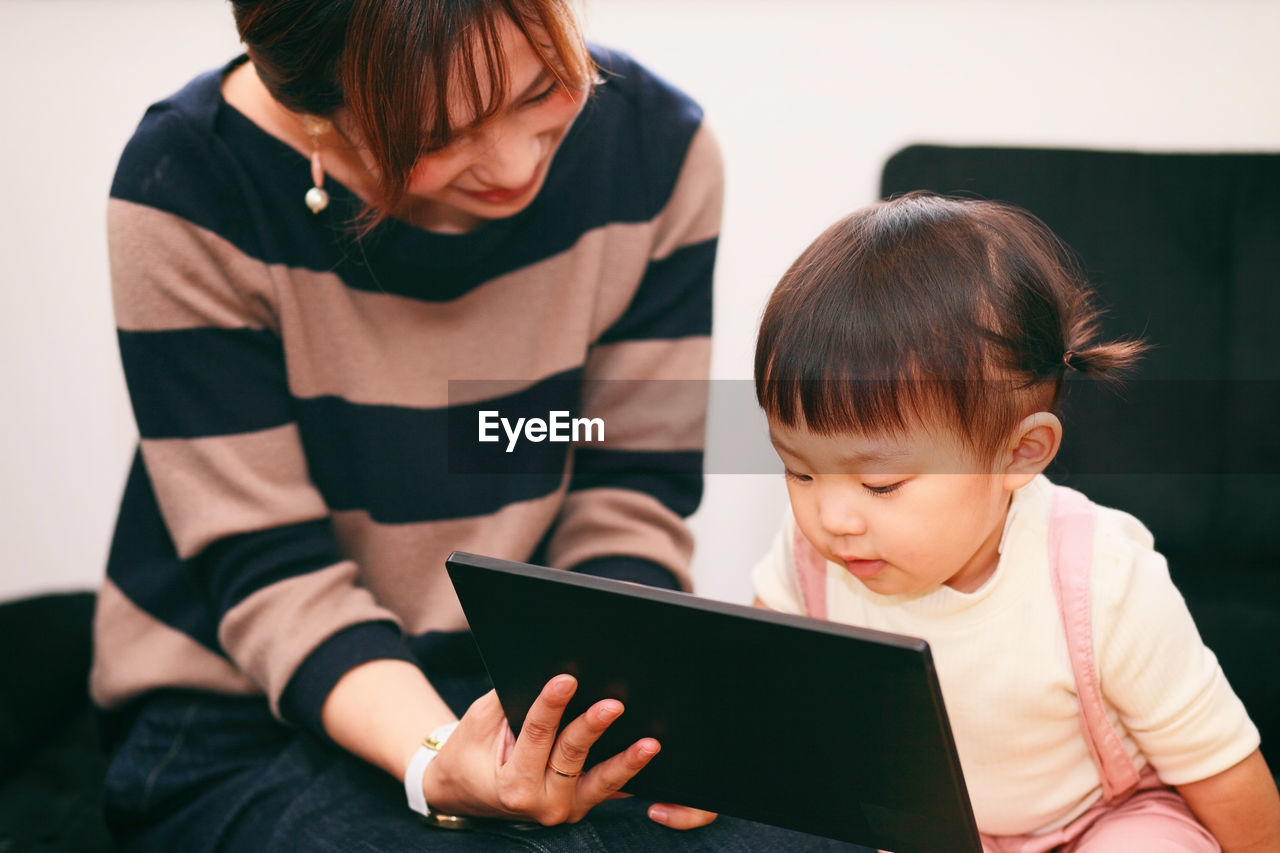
x=1066, y=359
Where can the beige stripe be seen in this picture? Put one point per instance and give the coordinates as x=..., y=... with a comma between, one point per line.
x=525, y=325
x=693, y=212
x=271, y=632
x=651, y=400
x=208, y=488
x=404, y=563
x=134, y=652
x=167, y=273
x=614, y=522
x=375, y=347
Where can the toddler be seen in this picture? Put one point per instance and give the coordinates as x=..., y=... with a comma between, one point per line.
x=909, y=363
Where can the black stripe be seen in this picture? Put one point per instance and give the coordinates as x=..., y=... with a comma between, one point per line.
x=189, y=383
x=618, y=147
x=673, y=299
x=144, y=564
x=409, y=465
x=673, y=477
x=234, y=568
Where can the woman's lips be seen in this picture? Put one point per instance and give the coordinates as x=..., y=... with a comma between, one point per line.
x=504, y=196
x=864, y=568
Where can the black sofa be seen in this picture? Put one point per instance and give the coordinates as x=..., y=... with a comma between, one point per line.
x=1185, y=251
x=51, y=767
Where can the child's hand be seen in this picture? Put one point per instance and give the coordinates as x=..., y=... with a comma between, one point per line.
x=679, y=817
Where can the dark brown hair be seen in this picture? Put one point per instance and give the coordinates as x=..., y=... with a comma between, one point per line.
x=929, y=310
x=391, y=64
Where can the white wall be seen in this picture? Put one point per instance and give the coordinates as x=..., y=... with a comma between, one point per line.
x=808, y=103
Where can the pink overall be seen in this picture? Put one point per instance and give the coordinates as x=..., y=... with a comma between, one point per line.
x=1137, y=813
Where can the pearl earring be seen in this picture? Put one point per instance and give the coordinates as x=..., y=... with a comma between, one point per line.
x=317, y=199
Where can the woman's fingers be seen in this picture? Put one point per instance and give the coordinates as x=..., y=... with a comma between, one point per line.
x=569, y=755
x=543, y=778
x=538, y=734
x=680, y=817
x=606, y=779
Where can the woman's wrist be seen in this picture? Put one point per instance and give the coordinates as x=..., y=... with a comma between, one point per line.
x=380, y=711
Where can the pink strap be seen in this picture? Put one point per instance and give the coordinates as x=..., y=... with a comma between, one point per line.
x=1070, y=560
x=811, y=572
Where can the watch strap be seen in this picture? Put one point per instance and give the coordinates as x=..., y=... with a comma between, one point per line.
x=417, y=769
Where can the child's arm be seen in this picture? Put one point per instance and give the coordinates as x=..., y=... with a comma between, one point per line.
x=1240, y=806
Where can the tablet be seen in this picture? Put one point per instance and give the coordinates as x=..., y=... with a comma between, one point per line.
x=796, y=722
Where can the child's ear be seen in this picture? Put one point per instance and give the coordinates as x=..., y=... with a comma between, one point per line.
x=1034, y=443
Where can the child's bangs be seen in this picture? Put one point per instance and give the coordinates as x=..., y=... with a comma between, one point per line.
x=888, y=406
x=977, y=411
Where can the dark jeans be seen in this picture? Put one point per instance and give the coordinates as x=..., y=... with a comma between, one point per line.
x=198, y=772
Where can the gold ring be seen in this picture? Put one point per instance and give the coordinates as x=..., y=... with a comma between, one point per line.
x=559, y=772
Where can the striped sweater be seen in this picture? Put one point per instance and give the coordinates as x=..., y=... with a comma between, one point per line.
x=307, y=402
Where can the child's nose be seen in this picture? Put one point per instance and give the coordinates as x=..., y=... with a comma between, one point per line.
x=840, y=514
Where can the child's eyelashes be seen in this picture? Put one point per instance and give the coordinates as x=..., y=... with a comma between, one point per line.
x=888, y=489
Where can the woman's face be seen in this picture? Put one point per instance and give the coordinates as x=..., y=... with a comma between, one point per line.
x=495, y=171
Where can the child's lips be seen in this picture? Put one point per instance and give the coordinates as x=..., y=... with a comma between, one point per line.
x=863, y=568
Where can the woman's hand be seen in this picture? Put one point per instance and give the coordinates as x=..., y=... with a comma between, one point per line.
x=483, y=771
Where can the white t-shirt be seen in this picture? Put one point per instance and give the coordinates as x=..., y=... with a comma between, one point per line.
x=1001, y=658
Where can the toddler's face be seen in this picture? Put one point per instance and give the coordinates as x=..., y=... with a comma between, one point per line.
x=903, y=514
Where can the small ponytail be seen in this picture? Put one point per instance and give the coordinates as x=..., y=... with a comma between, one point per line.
x=1105, y=360
x=1083, y=354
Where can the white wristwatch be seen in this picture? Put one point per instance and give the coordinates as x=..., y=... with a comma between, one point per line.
x=417, y=769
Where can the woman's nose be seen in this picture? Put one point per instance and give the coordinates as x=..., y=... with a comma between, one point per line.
x=511, y=161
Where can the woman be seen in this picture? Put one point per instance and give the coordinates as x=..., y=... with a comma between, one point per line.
x=328, y=259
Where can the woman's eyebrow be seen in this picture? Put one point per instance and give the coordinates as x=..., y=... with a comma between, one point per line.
x=511, y=103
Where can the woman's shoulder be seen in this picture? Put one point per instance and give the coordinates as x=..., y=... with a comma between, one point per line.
x=640, y=94
x=645, y=138
x=190, y=157
x=639, y=116
x=173, y=131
